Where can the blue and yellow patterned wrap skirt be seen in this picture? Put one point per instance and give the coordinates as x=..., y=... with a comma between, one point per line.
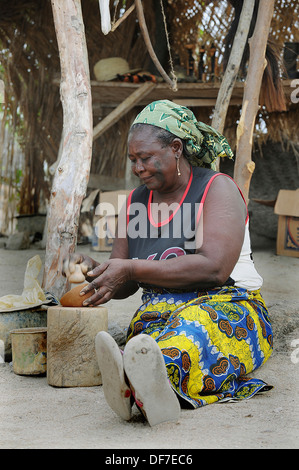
x=209, y=340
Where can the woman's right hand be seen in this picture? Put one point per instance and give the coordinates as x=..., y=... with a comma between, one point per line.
x=76, y=266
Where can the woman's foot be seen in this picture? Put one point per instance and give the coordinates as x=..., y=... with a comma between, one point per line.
x=116, y=391
x=146, y=372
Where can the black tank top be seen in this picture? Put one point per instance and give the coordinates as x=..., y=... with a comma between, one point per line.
x=174, y=236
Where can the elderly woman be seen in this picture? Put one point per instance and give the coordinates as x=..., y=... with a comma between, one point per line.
x=203, y=324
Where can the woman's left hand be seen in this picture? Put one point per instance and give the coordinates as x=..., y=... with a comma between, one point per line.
x=108, y=278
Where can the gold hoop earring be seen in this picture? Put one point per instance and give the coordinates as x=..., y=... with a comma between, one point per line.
x=178, y=165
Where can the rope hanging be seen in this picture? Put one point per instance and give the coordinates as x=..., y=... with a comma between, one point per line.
x=172, y=73
x=144, y=31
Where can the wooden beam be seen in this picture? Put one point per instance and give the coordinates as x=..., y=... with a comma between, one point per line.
x=204, y=102
x=122, y=109
x=244, y=166
x=72, y=172
x=125, y=15
x=232, y=69
x=112, y=93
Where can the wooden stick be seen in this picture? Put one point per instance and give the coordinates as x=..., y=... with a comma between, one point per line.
x=244, y=166
x=125, y=15
x=72, y=173
x=144, y=31
x=122, y=109
x=232, y=69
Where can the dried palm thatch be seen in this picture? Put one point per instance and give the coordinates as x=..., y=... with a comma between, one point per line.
x=29, y=55
x=30, y=62
x=204, y=22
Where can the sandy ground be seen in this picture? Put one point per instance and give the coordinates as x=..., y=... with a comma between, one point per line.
x=34, y=415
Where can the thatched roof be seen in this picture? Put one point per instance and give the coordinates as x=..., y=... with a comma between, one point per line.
x=30, y=65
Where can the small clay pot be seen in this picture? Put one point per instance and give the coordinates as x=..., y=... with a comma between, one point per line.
x=73, y=297
x=77, y=276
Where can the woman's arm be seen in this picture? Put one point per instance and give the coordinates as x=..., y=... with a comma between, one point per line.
x=120, y=250
x=223, y=221
x=77, y=266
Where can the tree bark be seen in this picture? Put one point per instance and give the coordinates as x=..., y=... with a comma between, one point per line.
x=233, y=66
x=244, y=166
x=72, y=173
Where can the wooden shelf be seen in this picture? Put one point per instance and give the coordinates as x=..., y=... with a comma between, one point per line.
x=111, y=94
x=124, y=96
x=190, y=94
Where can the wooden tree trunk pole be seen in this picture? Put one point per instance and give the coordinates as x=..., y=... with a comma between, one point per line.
x=233, y=66
x=72, y=173
x=244, y=166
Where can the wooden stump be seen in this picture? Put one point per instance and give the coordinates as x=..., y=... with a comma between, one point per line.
x=71, y=356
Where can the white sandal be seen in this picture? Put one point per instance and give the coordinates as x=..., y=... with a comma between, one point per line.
x=116, y=391
x=145, y=369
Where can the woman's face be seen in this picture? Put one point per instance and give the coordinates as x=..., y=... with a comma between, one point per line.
x=153, y=163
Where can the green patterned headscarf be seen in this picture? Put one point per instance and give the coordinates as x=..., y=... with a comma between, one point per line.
x=203, y=143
